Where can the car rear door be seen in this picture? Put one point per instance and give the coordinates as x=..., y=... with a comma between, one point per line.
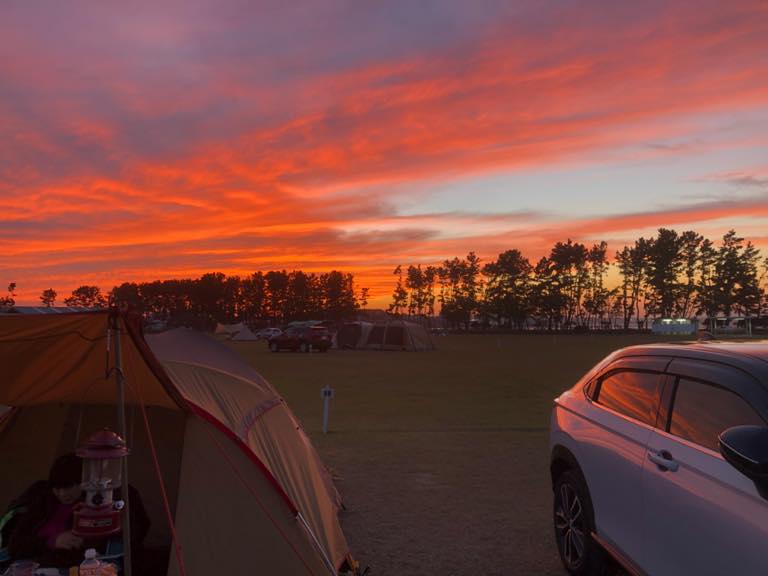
x=612, y=441
x=701, y=516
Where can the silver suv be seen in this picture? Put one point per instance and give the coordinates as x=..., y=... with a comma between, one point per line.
x=659, y=462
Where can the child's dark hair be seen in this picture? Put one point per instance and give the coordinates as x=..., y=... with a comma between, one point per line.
x=66, y=471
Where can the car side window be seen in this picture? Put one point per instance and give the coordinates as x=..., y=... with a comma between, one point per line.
x=700, y=412
x=632, y=393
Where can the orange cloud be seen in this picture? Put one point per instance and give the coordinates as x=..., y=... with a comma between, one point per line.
x=118, y=173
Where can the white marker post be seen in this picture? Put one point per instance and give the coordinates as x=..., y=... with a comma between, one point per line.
x=326, y=393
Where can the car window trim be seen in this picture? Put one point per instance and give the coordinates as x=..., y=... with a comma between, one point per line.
x=671, y=408
x=749, y=387
x=608, y=373
x=677, y=379
x=590, y=387
x=596, y=402
x=668, y=390
x=624, y=417
x=591, y=419
x=689, y=444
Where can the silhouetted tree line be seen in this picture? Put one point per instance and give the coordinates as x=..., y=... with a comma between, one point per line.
x=275, y=297
x=10, y=298
x=669, y=275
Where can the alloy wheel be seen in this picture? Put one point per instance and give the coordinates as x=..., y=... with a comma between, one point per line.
x=570, y=526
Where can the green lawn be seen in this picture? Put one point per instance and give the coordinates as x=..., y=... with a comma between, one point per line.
x=473, y=381
x=441, y=456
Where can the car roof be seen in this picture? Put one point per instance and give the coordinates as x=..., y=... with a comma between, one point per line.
x=749, y=355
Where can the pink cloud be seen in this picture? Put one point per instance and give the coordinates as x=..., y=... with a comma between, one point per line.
x=129, y=168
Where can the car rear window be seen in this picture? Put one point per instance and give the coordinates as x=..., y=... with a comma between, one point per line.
x=634, y=394
x=702, y=411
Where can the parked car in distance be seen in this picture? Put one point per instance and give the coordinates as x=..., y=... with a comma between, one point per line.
x=267, y=333
x=659, y=462
x=302, y=338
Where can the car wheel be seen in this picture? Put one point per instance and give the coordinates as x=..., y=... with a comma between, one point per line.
x=304, y=347
x=574, y=523
x=274, y=347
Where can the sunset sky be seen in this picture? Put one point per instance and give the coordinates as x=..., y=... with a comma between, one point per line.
x=154, y=140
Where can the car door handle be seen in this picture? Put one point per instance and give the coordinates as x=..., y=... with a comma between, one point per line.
x=663, y=459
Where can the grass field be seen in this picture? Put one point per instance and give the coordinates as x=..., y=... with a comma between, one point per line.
x=441, y=456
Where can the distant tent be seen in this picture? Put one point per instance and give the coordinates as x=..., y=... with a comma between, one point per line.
x=228, y=331
x=354, y=334
x=399, y=335
x=303, y=323
x=244, y=335
x=244, y=486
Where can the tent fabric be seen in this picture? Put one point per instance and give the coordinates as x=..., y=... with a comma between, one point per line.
x=399, y=335
x=55, y=379
x=64, y=358
x=245, y=515
x=228, y=329
x=244, y=335
x=214, y=377
x=238, y=332
x=354, y=334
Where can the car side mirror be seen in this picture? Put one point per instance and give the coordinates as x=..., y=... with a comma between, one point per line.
x=746, y=449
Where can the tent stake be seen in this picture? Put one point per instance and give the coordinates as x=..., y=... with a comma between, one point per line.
x=120, y=382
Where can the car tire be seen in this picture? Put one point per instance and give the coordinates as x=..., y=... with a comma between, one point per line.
x=574, y=523
x=274, y=347
x=304, y=347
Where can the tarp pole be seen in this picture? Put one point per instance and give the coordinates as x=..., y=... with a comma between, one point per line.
x=120, y=381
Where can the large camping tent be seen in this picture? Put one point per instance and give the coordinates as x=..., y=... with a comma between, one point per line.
x=354, y=334
x=245, y=489
x=399, y=335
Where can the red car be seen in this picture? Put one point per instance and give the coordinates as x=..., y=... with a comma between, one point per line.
x=302, y=338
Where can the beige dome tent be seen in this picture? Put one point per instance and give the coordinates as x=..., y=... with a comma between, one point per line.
x=399, y=335
x=244, y=335
x=244, y=487
x=227, y=331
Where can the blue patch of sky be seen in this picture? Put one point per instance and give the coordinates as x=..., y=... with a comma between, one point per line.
x=660, y=177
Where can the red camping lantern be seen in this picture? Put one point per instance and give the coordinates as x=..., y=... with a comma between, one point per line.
x=99, y=515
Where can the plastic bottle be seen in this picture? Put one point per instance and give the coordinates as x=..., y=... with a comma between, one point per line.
x=90, y=566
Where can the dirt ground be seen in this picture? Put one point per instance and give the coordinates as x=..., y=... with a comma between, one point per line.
x=441, y=457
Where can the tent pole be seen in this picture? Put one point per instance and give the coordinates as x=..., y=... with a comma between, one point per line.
x=120, y=381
